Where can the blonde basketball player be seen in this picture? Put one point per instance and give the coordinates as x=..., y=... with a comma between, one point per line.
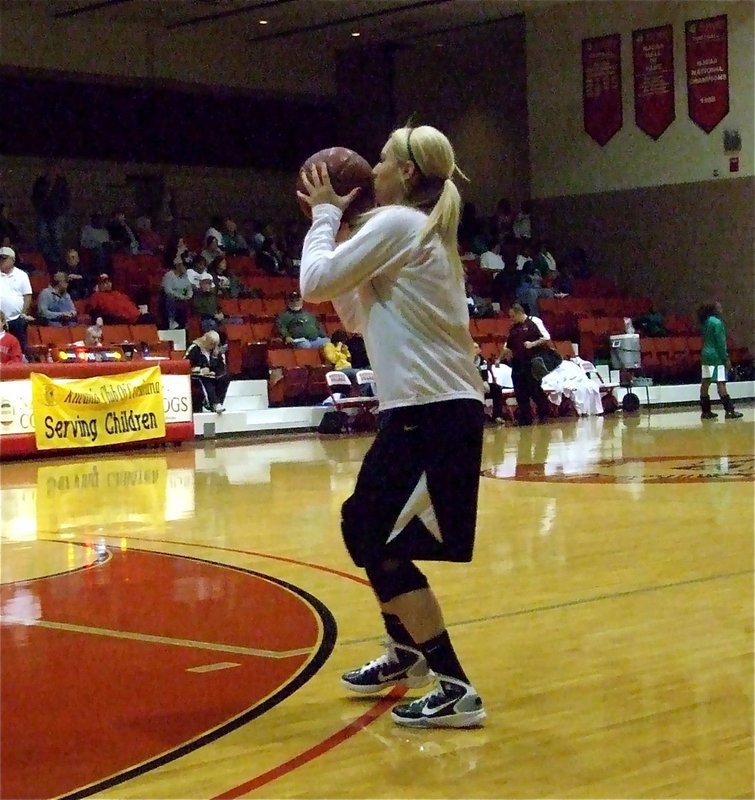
x=399, y=281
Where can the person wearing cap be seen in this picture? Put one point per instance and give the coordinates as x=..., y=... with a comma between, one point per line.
x=115, y=308
x=15, y=295
x=298, y=327
x=54, y=305
x=205, y=304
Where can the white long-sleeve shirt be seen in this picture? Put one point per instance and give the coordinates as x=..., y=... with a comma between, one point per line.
x=403, y=296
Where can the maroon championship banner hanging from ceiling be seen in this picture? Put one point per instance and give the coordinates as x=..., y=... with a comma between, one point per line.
x=653, y=59
x=707, y=44
x=601, y=87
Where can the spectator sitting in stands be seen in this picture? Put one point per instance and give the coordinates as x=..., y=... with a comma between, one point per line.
x=256, y=236
x=10, y=348
x=95, y=238
x=227, y=282
x=177, y=246
x=198, y=270
x=54, y=305
x=83, y=281
x=524, y=256
x=651, y=324
x=177, y=289
x=521, y=227
x=209, y=377
x=122, y=238
x=115, y=308
x=93, y=334
x=271, y=258
x=215, y=230
x=15, y=295
x=544, y=262
x=337, y=357
x=150, y=240
x=298, y=327
x=212, y=249
x=530, y=291
x=233, y=242
x=359, y=359
x=205, y=303
x=478, y=306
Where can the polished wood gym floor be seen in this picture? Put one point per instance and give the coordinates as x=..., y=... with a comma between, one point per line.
x=174, y=622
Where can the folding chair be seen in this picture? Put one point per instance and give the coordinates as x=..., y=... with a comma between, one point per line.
x=343, y=401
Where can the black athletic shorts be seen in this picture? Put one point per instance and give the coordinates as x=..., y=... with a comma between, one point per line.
x=416, y=494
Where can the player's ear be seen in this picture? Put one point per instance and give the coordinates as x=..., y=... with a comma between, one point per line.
x=408, y=170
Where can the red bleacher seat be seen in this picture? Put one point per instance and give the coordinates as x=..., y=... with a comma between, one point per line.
x=58, y=337
x=252, y=307
x=230, y=306
x=78, y=332
x=38, y=282
x=34, y=259
x=143, y=333
x=116, y=334
x=33, y=337
x=240, y=332
x=263, y=331
x=287, y=381
x=241, y=265
x=274, y=305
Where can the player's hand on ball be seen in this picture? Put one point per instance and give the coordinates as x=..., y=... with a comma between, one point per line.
x=319, y=189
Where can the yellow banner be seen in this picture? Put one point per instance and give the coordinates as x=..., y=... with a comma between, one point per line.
x=92, y=412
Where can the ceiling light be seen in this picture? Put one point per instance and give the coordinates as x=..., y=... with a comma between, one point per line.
x=356, y=33
x=263, y=22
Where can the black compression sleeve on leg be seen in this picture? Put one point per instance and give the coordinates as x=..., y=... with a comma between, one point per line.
x=391, y=578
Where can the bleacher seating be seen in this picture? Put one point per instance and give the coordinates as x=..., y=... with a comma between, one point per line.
x=595, y=311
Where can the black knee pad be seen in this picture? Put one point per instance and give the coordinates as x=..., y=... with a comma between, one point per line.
x=391, y=578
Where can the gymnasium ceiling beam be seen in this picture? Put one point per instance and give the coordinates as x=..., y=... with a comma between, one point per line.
x=345, y=20
x=87, y=9
x=231, y=12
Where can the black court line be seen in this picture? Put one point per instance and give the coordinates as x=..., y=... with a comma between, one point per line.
x=579, y=602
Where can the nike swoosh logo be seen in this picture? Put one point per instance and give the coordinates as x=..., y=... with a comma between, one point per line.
x=389, y=676
x=427, y=712
x=411, y=427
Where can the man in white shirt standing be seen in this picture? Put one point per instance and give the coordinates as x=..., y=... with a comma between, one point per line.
x=15, y=295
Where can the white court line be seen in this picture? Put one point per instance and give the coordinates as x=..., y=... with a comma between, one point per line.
x=148, y=637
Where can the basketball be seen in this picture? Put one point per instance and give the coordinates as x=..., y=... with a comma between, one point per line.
x=347, y=170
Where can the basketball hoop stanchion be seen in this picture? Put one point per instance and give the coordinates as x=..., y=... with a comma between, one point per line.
x=626, y=357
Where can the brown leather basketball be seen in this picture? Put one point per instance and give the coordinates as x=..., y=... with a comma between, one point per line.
x=347, y=170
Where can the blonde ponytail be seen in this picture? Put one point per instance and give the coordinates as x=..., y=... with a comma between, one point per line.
x=435, y=191
x=444, y=220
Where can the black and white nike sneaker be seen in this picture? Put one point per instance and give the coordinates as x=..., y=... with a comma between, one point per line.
x=451, y=704
x=398, y=665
